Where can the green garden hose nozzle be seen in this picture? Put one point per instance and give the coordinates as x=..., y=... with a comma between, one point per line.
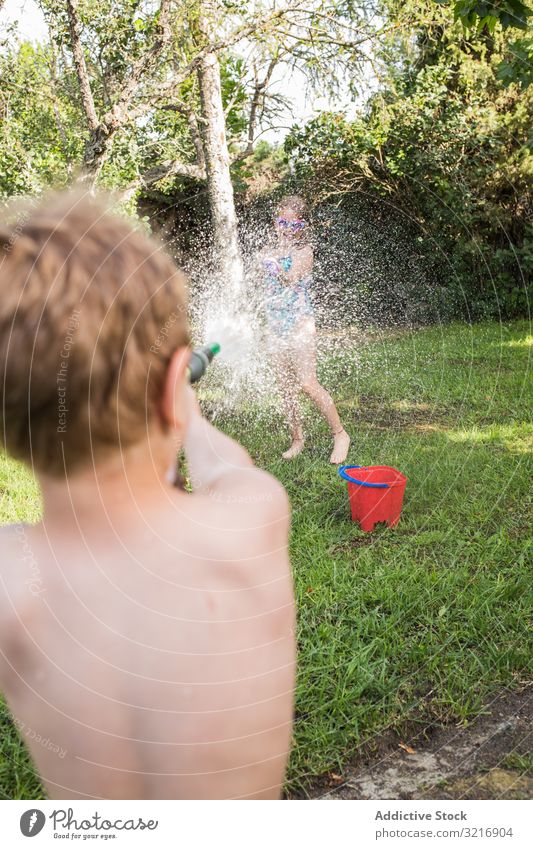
x=200, y=359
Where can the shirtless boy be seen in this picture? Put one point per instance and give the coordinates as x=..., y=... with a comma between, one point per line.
x=146, y=633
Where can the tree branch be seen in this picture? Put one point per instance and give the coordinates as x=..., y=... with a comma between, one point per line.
x=117, y=114
x=193, y=121
x=167, y=87
x=55, y=106
x=102, y=132
x=169, y=168
x=80, y=65
x=259, y=91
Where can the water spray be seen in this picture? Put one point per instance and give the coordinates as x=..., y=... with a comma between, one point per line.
x=200, y=359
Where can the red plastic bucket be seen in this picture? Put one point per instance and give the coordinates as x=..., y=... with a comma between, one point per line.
x=375, y=493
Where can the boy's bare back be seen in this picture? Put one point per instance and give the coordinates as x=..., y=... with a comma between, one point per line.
x=147, y=633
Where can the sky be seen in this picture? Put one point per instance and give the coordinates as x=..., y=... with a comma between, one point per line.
x=29, y=17
x=32, y=27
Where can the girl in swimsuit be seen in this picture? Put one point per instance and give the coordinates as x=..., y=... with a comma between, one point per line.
x=288, y=266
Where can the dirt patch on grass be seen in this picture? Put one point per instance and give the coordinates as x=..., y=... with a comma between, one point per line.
x=349, y=545
x=446, y=762
x=357, y=336
x=383, y=416
x=480, y=362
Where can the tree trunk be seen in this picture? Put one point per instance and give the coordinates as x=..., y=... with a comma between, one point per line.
x=94, y=156
x=217, y=161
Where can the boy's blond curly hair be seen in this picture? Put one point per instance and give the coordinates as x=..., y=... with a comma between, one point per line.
x=91, y=311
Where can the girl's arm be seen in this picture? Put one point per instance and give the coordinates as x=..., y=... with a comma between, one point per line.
x=302, y=265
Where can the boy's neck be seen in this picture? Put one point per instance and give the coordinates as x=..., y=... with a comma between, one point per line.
x=114, y=490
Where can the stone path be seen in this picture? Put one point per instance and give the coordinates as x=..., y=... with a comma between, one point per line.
x=488, y=759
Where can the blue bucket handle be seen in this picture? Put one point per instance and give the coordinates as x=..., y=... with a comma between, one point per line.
x=344, y=474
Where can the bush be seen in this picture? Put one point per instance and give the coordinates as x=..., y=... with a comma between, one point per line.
x=445, y=151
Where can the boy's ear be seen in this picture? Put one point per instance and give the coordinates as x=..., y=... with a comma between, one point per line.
x=174, y=406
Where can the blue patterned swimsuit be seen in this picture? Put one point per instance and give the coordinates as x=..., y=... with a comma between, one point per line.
x=287, y=303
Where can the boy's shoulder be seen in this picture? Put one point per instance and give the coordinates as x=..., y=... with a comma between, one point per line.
x=246, y=519
x=252, y=496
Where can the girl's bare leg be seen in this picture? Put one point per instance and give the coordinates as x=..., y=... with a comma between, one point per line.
x=288, y=384
x=305, y=363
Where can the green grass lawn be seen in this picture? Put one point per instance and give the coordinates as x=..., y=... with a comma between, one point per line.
x=404, y=626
